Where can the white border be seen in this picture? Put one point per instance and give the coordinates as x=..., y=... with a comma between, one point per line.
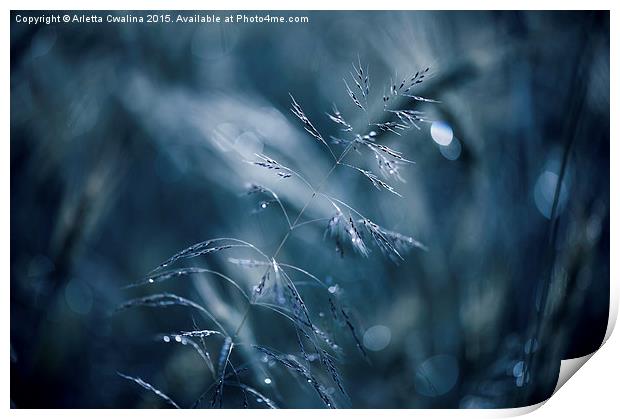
x=595, y=391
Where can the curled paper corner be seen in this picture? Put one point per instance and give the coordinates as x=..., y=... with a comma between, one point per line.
x=568, y=368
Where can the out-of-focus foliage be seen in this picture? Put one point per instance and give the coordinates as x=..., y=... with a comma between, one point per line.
x=130, y=142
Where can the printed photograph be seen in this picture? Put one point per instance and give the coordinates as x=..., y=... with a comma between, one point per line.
x=306, y=209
